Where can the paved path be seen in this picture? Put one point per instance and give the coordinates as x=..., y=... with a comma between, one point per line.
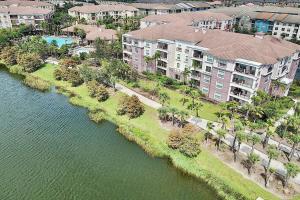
x=142, y=98
x=202, y=123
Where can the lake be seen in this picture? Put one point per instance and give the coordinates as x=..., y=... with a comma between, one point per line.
x=50, y=149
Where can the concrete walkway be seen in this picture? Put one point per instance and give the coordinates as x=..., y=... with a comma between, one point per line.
x=142, y=98
x=202, y=123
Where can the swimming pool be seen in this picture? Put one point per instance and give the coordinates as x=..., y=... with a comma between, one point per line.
x=60, y=40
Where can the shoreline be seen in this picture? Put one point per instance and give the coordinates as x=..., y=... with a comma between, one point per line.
x=156, y=148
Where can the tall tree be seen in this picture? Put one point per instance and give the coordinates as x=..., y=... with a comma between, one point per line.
x=221, y=133
x=252, y=159
x=292, y=171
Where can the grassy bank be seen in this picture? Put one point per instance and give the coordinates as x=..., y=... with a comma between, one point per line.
x=148, y=133
x=208, y=111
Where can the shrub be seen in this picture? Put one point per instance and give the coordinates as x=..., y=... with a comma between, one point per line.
x=16, y=69
x=175, y=139
x=191, y=145
x=96, y=115
x=58, y=74
x=29, y=61
x=92, y=87
x=186, y=140
x=9, y=55
x=102, y=94
x=131, y=106
x=69, y=63
x=36, y=83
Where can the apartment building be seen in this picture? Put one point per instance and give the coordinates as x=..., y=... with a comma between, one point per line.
x=163, y=8
x=224, y=65
x=25, y=3
x=202, y=20
x=92, y=13
x=14, y=16
x=281, y=22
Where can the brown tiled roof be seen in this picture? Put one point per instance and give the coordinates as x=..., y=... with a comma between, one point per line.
x=264, y=15
x=21, y=10
x=24, y=3
x=93, y=32
x=187, y=17
x=102, y=8
x=222, y=44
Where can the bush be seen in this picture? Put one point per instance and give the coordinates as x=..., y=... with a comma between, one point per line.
x=16, y=69
x=96, y=115
x=75, y=78
x=36, y=83
x=58, y=74
x=186, y=140
x=29, y=61
x=102, y=93
x=9, y=55
x=92, y=87
x=191, y=146
x=131, y=106
x=69, y=63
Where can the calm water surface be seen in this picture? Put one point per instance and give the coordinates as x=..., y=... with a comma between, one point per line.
x=49, y=149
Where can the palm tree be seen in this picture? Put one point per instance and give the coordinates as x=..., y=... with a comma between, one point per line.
x=186, y=72
x=173, y=112
x=210, y=127
x=248, y=108
x=194, y=94
x=292, y=171
x=164, y=97
x=270, y=132
x=221, y=135
x=297, y=109
x=294, y=138
x=252, y=159
x=238, y=126
x=272, y=153
x=184, y=100
x=163, y=113
x=197, y=107
x=276, y=84
x=241, y=137
x=183, y=115
x=254, y=139
x=224, y=121
x=257, y=113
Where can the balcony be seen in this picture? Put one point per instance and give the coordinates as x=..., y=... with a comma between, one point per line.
x=127, y=56
x=126, y=40
x=163, y=55
x=197, y=54
x=195, y=74
x=240, y=93
x=197, y=64
x=162, y=46
x=243, y=81
x=161, y=64
x=244, y=69
x=127, y=48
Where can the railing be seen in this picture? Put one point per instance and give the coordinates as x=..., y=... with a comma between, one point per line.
x=242, y=83
x=240, y=95
x=245, y=71
x=162, y=46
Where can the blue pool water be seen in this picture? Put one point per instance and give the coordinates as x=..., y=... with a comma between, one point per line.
x=60, y=40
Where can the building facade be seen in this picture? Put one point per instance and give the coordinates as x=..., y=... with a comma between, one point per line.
x=201, y=20
x=92, y=13
x=224, y=66
x=14, y=16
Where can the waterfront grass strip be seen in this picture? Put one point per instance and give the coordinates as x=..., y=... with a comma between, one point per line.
x=148, y=133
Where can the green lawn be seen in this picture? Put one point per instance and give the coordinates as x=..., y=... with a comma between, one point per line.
x=205, y=166
x=208, y=111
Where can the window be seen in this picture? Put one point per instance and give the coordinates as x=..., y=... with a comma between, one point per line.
x=221, y=74
x=276, y=28
x=147, y=52
x=217, y=96
x=205, y=90
x=275, y=33
x=208, y=69
x=206, y=79
x=177, y=77
x=282, y=29
x=219, y=85
x=210, y=58
x=186, y=59
x=178, y=65
x=147, y=44
x=187, y=51
x=178, y=57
